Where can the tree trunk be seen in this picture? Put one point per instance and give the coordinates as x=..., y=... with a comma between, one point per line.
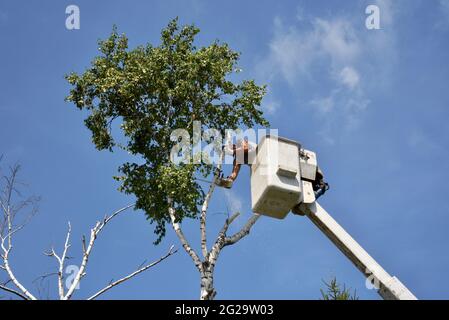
x=207, y=283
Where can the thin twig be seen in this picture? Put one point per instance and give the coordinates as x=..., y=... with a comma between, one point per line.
x=131, y=275
x=17, y=293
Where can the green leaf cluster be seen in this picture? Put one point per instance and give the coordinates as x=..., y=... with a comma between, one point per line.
x=152, y=90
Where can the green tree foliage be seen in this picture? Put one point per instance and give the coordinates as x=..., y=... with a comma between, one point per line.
x=335, y=291
x=152, y=90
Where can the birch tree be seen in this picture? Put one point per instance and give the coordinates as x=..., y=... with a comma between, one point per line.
x=17, y=212
x=135, y=98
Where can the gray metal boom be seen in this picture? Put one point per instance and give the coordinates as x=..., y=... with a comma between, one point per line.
x=389, y=288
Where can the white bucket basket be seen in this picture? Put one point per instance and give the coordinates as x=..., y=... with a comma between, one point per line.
x=276, y=177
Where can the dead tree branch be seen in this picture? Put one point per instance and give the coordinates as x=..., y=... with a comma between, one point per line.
x=243, y=232
x=135, y=273
x=61, y=261
x=17, y=293
x=93, y=236
x=185, y=244
x=9, y=227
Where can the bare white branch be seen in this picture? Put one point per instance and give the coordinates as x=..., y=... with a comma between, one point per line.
x=220, y=242
x=223, y=241
x=9, y=226
x=207, y=201
x=185, y=244
x=204, y=214
x=7, y=268
x=61, y=262
x=135, y=273
x=93, y=236
x=243, y=232
x=205, y=207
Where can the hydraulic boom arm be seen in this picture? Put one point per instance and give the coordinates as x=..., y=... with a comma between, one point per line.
x=389, y=288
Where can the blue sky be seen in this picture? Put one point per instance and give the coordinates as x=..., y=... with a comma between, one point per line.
x=372, y=103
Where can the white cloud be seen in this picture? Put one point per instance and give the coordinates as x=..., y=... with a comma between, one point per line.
x=334, y=43
x=349, y=77
x=336, y=51
x=338, y=39
x=323, y=105
x=340, y=110
x=293, y=51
